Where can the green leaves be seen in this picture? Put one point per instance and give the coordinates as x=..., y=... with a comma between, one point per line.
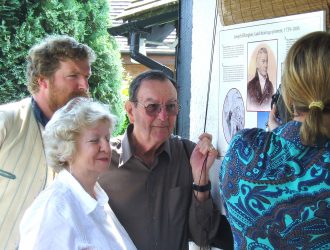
x=23, y=23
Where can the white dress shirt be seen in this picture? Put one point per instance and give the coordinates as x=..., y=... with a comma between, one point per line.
x=65, y=216
x=262, y=81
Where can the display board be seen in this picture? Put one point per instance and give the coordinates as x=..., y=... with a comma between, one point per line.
x=251, y=63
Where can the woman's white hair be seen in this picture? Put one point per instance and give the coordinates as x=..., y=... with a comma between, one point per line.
x=61, y=132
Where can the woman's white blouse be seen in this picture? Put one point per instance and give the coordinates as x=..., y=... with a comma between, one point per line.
x=65, y=216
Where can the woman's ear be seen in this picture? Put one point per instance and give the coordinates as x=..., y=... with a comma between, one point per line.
x=129, y=110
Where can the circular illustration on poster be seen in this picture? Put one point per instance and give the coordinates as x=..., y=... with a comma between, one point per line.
x=233, y=115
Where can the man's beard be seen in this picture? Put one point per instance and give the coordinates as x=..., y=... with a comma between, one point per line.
x=57, y=100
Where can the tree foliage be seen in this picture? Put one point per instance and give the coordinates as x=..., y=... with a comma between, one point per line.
x=24, y=23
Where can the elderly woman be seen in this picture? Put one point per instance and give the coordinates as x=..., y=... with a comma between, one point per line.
x=73, y=212
x=276, y=185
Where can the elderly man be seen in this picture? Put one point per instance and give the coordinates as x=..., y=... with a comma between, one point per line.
x=158, y=183
x=260, y=89
x=58, y=69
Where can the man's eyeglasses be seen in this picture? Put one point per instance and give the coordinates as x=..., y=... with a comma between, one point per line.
x=153, y=109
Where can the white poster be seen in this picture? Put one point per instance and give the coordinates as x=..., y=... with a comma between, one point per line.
x=251, y=62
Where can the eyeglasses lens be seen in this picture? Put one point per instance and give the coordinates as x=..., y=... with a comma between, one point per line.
x=154, y=109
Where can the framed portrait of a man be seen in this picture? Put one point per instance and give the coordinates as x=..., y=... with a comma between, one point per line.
x=262, y=75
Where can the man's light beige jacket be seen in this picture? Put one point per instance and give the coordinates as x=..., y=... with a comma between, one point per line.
x=21, y=155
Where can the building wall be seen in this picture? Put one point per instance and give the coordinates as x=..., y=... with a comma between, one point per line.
x=162, y=54
x=134, y=68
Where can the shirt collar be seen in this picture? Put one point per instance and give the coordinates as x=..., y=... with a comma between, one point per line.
x=262, y=78
x=88, y=203
x=40, y=116
x=126, y=149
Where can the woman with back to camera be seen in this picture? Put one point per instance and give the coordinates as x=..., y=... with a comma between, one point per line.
x=276, y=185
x=73, y=212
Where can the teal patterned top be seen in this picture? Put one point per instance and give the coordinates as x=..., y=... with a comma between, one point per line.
x=276, y=191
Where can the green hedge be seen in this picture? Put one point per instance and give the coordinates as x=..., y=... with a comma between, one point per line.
x=24, y=23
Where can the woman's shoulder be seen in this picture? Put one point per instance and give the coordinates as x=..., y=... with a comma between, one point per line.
x=251, y=136
x=53, y=198
x=45, y=203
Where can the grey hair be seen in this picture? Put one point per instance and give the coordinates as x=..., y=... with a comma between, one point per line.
x=61, y=132
x=147, y=75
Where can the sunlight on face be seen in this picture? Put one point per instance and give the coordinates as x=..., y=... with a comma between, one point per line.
x=93, y=152
x=69, y=81
x=154, y=129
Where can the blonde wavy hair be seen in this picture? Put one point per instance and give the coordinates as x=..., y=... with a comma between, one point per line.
x=306, y=81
